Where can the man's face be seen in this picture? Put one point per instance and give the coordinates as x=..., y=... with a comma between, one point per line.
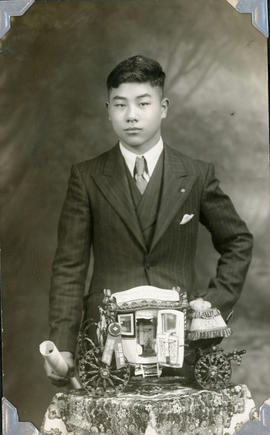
x=136, y=111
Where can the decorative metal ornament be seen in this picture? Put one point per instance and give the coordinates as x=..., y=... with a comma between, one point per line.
x=105, y=369
x=11, y=424
x=258, y=9
x=213, y=369
x=11, y=8
x=97, y=377
x=101, y=374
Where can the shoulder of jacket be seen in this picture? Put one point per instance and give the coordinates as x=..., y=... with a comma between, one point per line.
x=193, y=165
x=94, y=165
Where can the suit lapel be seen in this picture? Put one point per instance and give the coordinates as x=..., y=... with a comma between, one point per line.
x=114, y=185
x=177, y=184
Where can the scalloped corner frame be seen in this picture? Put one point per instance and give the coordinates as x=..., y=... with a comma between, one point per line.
x=11, y=424
x=11, y=8
x=258, y=10
x=260, y=424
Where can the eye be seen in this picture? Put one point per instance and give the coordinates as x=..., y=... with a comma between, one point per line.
x=120, y=105
x=144, y=104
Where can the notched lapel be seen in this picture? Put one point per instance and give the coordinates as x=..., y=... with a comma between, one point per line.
x=113, y=183
x=177, y=185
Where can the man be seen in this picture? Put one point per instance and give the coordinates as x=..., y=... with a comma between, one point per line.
x=139, y=206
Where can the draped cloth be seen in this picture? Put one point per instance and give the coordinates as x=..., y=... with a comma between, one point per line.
x=175, y=410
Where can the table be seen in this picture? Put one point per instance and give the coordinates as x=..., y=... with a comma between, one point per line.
x=152, y=410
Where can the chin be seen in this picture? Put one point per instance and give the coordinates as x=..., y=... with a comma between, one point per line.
x=134, y=143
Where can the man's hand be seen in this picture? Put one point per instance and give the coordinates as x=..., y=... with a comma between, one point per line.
x=200, y=305
x=60, y=381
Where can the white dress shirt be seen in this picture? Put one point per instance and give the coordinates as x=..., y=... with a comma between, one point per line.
x=151, y=156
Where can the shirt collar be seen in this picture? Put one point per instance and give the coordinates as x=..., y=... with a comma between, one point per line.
x=151, y=156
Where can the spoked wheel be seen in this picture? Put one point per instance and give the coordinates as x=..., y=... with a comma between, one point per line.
x=95, y=376
x=213, y=370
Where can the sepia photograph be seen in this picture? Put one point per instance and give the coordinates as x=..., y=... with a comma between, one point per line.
x=135, y=240
x=126, y=321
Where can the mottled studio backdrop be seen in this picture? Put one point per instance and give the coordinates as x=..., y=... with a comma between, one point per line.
x=53, y=65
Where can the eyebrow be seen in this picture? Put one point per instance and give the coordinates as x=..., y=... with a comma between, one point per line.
x=144, y=95
x=117, y=97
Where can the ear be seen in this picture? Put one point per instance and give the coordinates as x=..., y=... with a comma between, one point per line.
x=164, y=107
x=107, y=107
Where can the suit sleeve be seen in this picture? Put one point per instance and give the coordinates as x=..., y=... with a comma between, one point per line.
x=231, y=238
x=70, y=265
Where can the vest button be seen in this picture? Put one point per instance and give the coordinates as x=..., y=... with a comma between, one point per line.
x=146, y=262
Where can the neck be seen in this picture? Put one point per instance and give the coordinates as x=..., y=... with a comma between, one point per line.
x=143, y=148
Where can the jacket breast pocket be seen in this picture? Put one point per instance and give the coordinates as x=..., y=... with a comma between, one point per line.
x=185, y=218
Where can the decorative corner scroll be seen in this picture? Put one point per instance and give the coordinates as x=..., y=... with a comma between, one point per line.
x=11, y=8
x=260, y=424
x=11, y=424
x=258, y=9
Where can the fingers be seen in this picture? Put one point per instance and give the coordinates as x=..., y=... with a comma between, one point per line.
x=54, y=378
x=68, y=357
x=57, y=378
x=200, y=305
x=59, y=382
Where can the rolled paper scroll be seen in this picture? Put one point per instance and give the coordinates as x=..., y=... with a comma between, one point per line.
x=56, y=361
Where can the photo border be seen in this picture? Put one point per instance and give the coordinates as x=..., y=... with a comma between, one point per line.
x=259, y=10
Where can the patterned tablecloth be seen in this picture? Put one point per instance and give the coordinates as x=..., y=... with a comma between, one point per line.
x=173, y=411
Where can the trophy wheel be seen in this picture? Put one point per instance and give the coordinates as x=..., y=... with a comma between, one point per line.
x=96, y=377
x=213, y=370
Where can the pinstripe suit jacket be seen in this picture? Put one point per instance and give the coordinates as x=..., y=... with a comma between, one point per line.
x=98, y=211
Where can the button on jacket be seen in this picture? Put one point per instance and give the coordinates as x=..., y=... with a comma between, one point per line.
x=99, y=211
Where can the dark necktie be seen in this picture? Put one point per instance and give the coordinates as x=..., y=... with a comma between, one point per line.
x=140, y=170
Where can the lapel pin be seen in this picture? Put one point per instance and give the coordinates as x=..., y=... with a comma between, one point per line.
x=183, y=190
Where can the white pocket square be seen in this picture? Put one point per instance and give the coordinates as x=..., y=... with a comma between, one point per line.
x=186, y=218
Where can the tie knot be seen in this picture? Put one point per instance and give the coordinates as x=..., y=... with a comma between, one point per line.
x=140, y=166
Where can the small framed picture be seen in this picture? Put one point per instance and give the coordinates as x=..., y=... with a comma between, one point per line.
x=126, y=322
x=169, y=322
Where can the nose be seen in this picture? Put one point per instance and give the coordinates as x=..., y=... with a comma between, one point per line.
x=131, y=114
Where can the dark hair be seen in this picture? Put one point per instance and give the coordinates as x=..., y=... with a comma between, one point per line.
x=138, y=69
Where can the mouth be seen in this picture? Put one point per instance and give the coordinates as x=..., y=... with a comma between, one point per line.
x=132, y=129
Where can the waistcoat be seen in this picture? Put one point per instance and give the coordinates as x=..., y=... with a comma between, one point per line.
x=147, y=204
